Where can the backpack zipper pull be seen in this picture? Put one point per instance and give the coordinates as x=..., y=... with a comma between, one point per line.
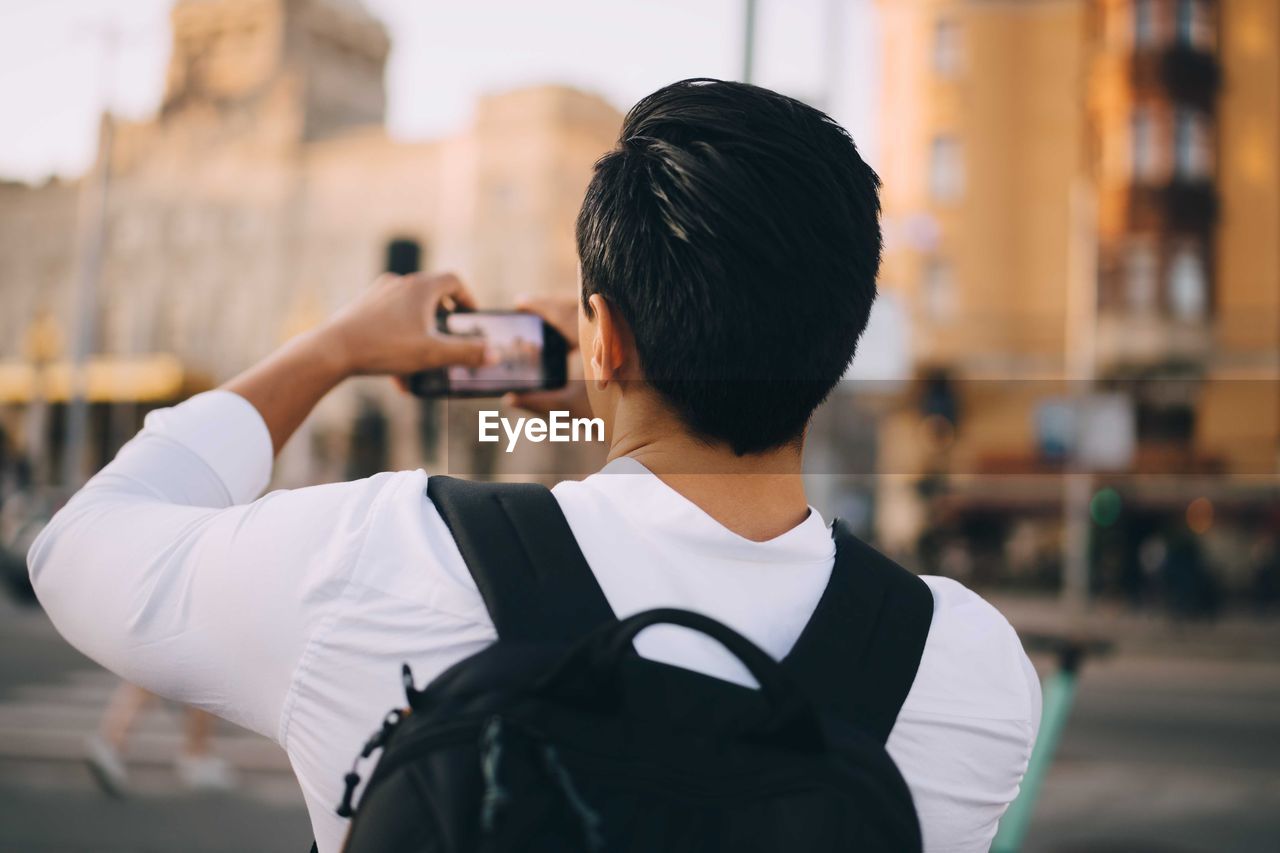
x=348, y=790
x=379, y=738
x=376, y=740
x=406, y=678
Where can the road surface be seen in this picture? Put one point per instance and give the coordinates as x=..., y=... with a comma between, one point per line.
x=1163, y=755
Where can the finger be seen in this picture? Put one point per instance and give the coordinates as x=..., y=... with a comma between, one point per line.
x=525, y=302
x=442, y=350
x=402, y=382
x=538, y=402
x=553, y=310
x=560, y=314
x=450, y=285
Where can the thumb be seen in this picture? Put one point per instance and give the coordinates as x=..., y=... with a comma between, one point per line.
x=444, y=350
x=537, y=402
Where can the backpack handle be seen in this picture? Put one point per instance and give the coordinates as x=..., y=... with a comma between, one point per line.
x=589, y=676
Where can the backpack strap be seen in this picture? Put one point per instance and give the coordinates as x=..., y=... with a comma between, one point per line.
x=520, y=551
x=859, y=654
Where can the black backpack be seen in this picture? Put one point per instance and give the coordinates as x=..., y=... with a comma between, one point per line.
x=560, y=738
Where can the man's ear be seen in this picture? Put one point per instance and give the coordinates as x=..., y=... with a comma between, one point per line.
x=611, y=347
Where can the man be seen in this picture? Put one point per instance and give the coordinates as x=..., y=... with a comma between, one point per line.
x=729, y=247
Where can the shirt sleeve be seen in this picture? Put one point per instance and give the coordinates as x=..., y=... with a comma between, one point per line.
x=965, y=733
x=164, y=569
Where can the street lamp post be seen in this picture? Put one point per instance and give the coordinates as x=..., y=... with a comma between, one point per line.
x=90, y=275
x=42, y=346
x=1081, y=333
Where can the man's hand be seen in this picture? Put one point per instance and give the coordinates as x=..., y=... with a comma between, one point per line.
x=390, y=329
x=562, y=315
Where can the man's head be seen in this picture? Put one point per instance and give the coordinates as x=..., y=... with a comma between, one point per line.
x=734, y=237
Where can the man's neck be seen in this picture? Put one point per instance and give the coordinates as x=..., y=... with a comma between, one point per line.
x=758, y=497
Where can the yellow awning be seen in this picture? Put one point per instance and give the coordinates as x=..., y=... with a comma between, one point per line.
x=109, y=379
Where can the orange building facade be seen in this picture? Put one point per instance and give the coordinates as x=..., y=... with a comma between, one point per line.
x=1082, y=206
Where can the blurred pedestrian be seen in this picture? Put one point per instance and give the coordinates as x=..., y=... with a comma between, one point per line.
x=20, y=523
x=1149, y=566
x=195, y=764
x=1190, y=588
x=1266, y=575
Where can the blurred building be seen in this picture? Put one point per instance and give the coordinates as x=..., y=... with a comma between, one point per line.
x=263, y=195
x=1082, y=203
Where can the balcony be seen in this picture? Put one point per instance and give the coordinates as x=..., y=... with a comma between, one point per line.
x=1127, y=341
x=1184, y=74
x=1178, y=206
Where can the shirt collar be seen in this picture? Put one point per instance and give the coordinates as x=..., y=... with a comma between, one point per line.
x=637, y=493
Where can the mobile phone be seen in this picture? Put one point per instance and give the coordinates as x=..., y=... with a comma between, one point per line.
x=526, y=355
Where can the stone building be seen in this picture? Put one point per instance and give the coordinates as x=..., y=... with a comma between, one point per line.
x=262, y=196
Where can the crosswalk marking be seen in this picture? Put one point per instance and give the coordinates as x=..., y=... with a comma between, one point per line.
x=51, y=721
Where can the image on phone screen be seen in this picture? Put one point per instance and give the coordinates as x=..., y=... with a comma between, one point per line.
x=514, y=343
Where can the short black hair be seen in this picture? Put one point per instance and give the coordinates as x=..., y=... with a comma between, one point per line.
x=737, y=231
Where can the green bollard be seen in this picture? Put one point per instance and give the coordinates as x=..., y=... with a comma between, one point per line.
x=1059, y=694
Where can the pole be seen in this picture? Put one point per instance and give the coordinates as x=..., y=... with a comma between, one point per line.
x=41, y=348
x=1059, y=695
x=1082, y=319
x=86, y=309
x=749, y=41
x=833, y=55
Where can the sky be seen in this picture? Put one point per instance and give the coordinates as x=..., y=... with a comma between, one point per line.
x=57, y=73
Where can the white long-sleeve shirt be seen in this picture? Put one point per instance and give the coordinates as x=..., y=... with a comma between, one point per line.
x=291, y=614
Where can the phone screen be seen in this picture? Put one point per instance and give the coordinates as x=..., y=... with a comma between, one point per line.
x=515, y=343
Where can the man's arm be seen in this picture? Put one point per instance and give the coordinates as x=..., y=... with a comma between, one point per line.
x=388, y=330
x=161, y=568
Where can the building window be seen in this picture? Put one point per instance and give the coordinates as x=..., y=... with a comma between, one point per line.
x=1146, y=151
x=1192, y=154
x=1193, y=24
x=1144, y=23
x=1165, y=423
x=946, y=169
x=130, y=232
x=1188, y=285
x=1140, y=280
x=946, y=48
x=193, y=226
x=937, y=291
